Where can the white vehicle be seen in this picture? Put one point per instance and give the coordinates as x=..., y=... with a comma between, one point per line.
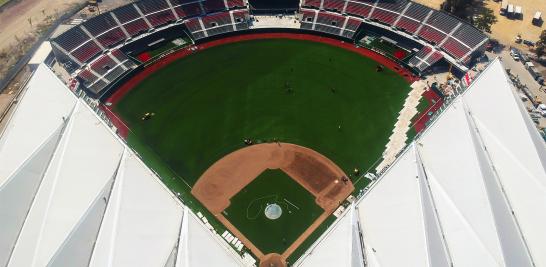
x=529, y=65
x=537, y=18
x=510, y=9
x=504, y=7
x=518, y=12
x=514, y=54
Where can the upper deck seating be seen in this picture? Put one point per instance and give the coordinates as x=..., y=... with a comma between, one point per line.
x=136, y=27
x=126, y=13
x=417, y=12
x=103, y=64
x=384, y=16
x=87, y=51
x=442, y=22
x=151, y=6
x=333, y=5
x=111, y=37
x=100, y=24
x=235, y=3
x=311, y=3
x=431, y=35
x=72, y=38
x=395, y=6
x=214, y=6
x=408, y=25
x=161, y=18
x=358, y=9
x=455, y=48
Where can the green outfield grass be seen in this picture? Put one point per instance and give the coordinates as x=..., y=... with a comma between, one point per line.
x=315, y=95
x=299, y=210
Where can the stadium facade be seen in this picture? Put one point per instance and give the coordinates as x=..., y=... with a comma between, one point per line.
x=470, y=190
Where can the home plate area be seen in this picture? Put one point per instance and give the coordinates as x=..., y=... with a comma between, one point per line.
x=272, y=196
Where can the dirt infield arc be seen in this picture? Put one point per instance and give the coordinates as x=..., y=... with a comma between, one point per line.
x=229, y=175
x=123, y=130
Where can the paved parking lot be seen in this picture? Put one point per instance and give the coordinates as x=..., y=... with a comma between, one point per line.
x=517, y=69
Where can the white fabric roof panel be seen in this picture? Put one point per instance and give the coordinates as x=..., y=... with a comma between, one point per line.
x=458, y=190
x=142, y=221
x=26, y=146
x=41, y=54
x=516, y=156
x=479, y=164
x=97, y=203
x=199, y=247
x=436, y=246
x=471, y=191
x=70, y=185
x=38, y=114
x=336, y=247
x=391, y=217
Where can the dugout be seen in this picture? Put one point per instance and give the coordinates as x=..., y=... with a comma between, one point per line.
x=155, y=40
x=263, y=7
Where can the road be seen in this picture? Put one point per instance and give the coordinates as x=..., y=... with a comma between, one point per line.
x=517, y=69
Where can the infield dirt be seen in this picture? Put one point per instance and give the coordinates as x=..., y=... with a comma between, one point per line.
x=229, y=175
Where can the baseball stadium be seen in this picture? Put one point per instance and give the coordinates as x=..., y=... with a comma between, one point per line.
x=271, y=134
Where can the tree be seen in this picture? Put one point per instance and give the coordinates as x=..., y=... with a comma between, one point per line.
x=457, y=7
x=542, y=38
x=485, y=19
x=540, y=46
x=540, y=50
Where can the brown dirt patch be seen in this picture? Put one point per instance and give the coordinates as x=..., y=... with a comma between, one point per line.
x=229, y=175
x=304, y=165
x=272, y=260
x=22, y=22
x=431, y=3
x=506, y=29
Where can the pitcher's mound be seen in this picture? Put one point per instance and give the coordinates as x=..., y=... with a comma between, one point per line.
x=273, y=211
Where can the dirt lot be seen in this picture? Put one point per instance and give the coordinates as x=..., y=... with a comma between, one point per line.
x=229, y=175
x=430, y=3
x=505, y=30
x=22, y=21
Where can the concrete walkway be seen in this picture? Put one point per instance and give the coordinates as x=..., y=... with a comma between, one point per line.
x=398, y=138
